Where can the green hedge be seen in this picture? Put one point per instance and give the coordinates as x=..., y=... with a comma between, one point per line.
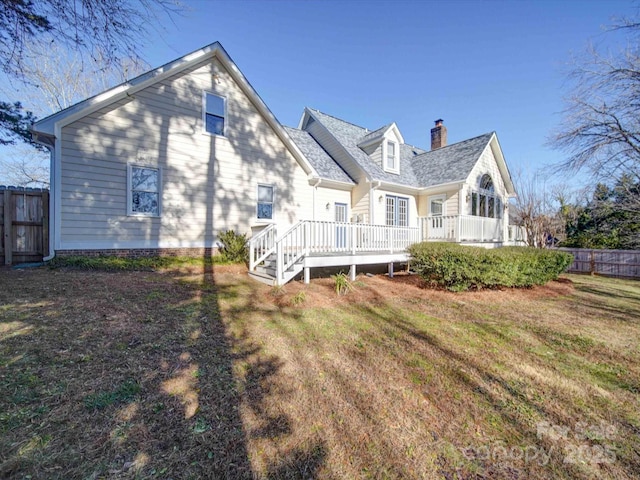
x=458, y=267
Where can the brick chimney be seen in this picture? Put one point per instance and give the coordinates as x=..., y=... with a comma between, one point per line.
x=438, y=135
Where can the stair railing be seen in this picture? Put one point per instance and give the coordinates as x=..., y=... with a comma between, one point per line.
x=291, y=247
x=261, y=246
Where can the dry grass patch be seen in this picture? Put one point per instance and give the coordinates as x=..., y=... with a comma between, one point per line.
x=203, y=373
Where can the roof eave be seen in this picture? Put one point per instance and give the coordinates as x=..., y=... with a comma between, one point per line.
x=502, y=165
x=86, y=107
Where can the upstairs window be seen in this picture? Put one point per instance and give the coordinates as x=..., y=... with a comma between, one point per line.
x=392, y=157
x=485, y=202
x=214, y=114
x=265, y=202
x=144, y=191
x=486, y=183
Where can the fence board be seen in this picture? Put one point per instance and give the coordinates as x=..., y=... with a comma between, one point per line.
x=23, y=224
x=613, y=263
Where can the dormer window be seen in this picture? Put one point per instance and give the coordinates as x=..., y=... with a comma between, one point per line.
x=392, y=163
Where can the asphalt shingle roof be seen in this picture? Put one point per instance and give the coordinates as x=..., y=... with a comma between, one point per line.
x=320, y=160
x=452, y=163
x=418, y=168
x=374, y=134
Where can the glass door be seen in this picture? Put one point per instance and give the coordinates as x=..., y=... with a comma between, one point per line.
x=341, y=227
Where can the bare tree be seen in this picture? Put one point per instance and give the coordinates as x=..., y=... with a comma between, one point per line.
x=112, y=29
x=24, y=166
x=536, y=209
x=100, y=31
x=601, y=128
x=55, y=53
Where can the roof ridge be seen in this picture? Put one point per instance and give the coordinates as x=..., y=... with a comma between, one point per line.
x=336, y=118
x=457, y=143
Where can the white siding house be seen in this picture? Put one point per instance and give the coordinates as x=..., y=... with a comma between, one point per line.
x=167, y=161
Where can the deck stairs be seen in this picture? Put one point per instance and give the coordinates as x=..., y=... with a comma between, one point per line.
x=276, y=260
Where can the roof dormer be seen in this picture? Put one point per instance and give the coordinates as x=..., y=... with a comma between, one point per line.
x=383, y=147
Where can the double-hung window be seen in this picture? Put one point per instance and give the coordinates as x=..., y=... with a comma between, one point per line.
x=265, y=202
x=144, y=191
x=392, y=156
x=214, y=114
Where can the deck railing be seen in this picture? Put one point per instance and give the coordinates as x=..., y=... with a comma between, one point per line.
x=334, y=238
x=459, y=228
x=261, y=245
x=314, y=237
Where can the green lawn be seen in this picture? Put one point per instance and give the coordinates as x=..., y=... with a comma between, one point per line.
x=200, y=372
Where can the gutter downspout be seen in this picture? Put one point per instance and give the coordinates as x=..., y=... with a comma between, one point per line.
x=315, y=187
x=52, y=251
x=51, y=146
x=371, y=199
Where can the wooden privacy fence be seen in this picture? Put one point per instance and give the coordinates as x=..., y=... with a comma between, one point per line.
x=613, y=263
x=24, y=224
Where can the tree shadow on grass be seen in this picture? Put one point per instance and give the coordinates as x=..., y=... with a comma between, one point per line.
x=139, y=374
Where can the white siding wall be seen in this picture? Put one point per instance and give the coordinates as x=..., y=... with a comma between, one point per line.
x=209, y=183
x=380, y=208
x=376, y=154
x=329, y=196
x=360, y=201
x=487, y=164
x=450, y=204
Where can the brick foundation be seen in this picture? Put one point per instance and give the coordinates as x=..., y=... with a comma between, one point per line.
x=141, y=252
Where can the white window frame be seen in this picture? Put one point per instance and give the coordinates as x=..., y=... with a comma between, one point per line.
x=396, y=157
x=484, y=197
x=273, y=201
x=396, y=200
x=204, y=114
x=443, y=199
x=130, y=212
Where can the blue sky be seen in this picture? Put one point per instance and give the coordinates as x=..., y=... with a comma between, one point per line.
x=479, y=65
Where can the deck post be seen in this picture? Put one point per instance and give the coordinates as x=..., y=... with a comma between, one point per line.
x=353, y=238
x=307, y=275
x=458, y=227
x=252, y=262
x=279, y=263
x=307, y=239
x=352, y=273
x=390, y=269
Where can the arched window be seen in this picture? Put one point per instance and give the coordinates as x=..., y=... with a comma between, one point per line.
x=484, y=202
x=486, y=183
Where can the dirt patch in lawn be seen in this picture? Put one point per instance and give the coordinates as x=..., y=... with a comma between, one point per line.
x=321, y=293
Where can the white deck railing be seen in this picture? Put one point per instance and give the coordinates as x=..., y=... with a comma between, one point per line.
x=261, y=245
x=335, y=238
x=462, y=228
x=313, y=237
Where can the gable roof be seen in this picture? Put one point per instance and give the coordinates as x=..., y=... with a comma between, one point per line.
x=449, y=164
x=378, y=135
x=44, y=130
x=419, y=169
x=350, y=135
x=321, y=161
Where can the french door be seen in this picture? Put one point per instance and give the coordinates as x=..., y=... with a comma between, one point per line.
x=397, y=213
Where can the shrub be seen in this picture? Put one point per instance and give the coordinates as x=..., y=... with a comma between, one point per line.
x=299, y=298
x=458, y=267
x=342, y=283
x=233, y=246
